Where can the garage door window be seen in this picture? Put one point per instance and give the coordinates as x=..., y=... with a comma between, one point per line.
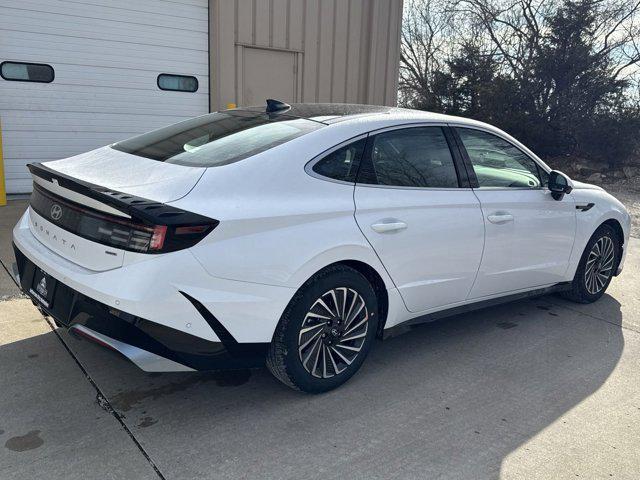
x=177, y=83
x=27, y=72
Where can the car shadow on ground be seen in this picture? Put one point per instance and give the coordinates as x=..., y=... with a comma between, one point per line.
x=448, y=399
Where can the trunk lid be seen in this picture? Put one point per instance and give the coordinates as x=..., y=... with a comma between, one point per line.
x=126, y=173
x=79, y=191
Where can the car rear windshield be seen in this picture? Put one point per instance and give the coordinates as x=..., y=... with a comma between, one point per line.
x=218, y=138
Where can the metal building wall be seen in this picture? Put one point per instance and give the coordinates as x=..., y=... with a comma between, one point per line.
x=307, y=50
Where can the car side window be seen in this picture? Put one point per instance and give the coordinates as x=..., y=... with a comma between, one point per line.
x=497, y=163
x=410, y=157
x=342, y=164
x=544, y=176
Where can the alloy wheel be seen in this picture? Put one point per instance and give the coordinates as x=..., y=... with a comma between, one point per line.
x=599, y=266
x=333, y=332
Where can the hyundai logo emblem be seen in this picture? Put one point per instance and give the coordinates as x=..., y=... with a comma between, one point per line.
x=56, y=211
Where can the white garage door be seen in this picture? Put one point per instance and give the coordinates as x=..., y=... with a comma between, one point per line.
x=106, y=57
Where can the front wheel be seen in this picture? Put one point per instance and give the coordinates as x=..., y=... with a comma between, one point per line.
x=597, y=266
x=326, y=331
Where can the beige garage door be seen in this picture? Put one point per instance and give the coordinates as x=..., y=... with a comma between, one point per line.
x=268, y=74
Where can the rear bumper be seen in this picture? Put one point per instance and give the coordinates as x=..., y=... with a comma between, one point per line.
x=166, y=305
x=153, y=287
x=151, y=346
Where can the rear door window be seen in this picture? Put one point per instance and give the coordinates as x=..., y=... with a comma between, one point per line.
x=218, y=138
x=416, y=157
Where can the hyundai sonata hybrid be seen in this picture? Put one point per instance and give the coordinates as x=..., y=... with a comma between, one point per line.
x=294, y=235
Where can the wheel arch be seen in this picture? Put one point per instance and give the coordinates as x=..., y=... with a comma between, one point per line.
x=605, y=210
x=617, y=227
x=373, y=277
x=379, y=287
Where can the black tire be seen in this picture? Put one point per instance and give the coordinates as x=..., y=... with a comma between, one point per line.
x=582, y=289
x=286, y=353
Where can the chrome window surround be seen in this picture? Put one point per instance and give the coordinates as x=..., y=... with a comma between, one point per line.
x=525, y=151
x=309, y=165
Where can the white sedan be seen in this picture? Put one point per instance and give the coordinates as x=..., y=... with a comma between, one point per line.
x=293, y=235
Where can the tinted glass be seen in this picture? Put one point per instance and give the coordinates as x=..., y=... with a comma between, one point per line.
x=218, y=138
x=177, y=83
x=498, y=163
x=411, y=157
x=342, y=164
x=544, y=176
x=27, y=72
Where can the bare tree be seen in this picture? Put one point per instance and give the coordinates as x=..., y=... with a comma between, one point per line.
x=563, y=75
x=517, y=28
x=618, y=35
x=426, y=45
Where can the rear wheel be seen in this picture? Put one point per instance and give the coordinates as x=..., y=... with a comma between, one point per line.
x=597, y=266
x=326, y=331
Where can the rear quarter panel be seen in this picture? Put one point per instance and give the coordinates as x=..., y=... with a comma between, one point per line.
x=278, y=225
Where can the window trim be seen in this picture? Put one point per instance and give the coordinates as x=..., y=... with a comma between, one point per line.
x=53, y=72
x=469, y=165
x=177, y=75
x=308, y=168
x=463, y=181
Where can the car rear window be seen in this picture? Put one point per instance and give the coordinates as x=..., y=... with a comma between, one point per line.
x=218, y=138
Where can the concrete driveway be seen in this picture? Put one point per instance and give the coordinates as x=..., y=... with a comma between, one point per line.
x=540, y=388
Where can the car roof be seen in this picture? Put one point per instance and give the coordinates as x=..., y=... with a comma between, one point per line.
x=371, y=117
x=325, y=112
x=330, y=113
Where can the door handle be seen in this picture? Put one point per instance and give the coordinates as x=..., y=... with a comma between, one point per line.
x=389, y=226
x=500, y=218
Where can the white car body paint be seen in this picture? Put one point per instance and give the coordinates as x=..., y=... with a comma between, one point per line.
x=606, y=207
x=279, y=225
x=130, y=174
x=531, y=247
x=435, y=258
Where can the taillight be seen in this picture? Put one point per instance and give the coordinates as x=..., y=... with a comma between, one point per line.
x=157, y=238
x=135, y=234
x=168, y=238
x=191, y=229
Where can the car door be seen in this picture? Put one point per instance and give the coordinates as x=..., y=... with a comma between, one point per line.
x=528, y=235
x=426, y=229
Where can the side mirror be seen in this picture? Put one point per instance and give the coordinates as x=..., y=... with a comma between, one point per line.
x=559, y=184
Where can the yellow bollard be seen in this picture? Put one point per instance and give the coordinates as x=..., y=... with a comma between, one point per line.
x=3, y=190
